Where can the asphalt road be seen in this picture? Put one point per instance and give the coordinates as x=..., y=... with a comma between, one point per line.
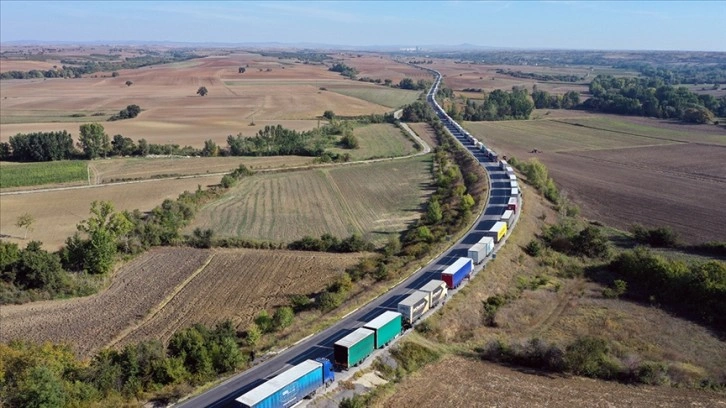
x=321, y=344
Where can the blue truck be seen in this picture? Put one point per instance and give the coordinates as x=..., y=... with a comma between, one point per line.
x=455, y=273
x=291, y=386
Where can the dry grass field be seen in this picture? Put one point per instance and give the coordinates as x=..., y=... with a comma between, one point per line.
x=189, y=286
x=462, y=382
x=270, y=92
x=381, y=67
x=624, y=170
x=369, y=199
x=379, y=140
x=105, y=171
x=237, y=285
x=425, y=132
x=577, y=308
x=57, y=213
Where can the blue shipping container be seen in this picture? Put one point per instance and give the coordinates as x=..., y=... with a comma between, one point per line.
x=455, y=273
x=288, y=388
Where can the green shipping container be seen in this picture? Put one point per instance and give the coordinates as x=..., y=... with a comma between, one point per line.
x=354, y=348
x=386, y=327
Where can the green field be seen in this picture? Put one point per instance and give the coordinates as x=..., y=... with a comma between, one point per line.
x=34, y=174
x=370, y=199
x=379, y=140
x=390, y=97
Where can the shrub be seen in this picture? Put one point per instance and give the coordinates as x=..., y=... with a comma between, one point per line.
x=533, y=248
x=589, y=356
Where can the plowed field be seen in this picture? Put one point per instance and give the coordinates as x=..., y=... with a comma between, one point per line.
x=237, y=285
x=91, y=322
x=623, y=171
x=169, y=288
x=459, y=382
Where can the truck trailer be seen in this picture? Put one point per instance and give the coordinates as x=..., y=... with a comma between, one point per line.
x=497, y=231
x=414, y=306
x=353, y=348
x=455, y=273
x=291, y=386
x=510, y=170
x=503, y=165
x=508, y=217
x=514, y=192
x=386, y=327
x=512, y=204
x=436, y=290
x=479, y=251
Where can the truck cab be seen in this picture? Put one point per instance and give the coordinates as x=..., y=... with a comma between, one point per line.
x=328, y=375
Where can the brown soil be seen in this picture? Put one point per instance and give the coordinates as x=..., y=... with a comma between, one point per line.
x=170, y=288
x=461, y=382
x=91, y=322
x=237, y=285
x=425, y=132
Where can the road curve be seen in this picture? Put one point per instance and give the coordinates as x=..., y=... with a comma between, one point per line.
x=321, y=344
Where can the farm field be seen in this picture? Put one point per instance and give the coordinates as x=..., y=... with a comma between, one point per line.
x=381, y=67
x=238, y=284
x=89, y=323
x=57, y=213
x=105, y=171
x=381, y=95
x=33, y=174
x=190, y=286
x=425, y=132
x=370, y=199
x=270, y=92
x=379, y=140
x=627, y=170
x=462, y=382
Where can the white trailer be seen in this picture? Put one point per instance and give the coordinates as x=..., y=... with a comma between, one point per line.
x=477, y=253
x=514, y=192
x=508, y=217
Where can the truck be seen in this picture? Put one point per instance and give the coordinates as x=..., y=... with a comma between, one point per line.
x=510, y=170
x=386, y=327
x=508, y=217
x=291, y=386
x=514, y=192
x=497, y=231
x=455, y=273
x=479, y=251
x=513, y=184
x=414, y=306
x=436, y=290
x=353, y=348
x=503, y=165
x=512, y=177
x=512, y=204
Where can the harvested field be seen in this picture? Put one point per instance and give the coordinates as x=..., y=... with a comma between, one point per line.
x=425, y=132
x=461, y=382
x=106, y=171
x=26, y=65
x=370, y=199
x=381, y=95
x=379, y=140
x=223, y=291
x=91, y=322
x=270, y=92
x=382, y=67
x=627, y=170
x=57, y=213
x=190, y=286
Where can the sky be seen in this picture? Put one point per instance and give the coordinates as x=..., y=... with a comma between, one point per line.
x=617, y=25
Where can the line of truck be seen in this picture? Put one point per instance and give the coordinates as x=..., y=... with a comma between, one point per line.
x=307, y=377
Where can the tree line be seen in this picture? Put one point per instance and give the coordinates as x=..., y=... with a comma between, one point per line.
x=78, y=68
x=497, y=105
x=541, y=77
x=344, y=70
x=652, y=97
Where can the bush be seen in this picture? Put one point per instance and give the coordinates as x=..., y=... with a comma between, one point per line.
x=589, y=357
x=656, y=237
x=412, y=356
x=533, y=248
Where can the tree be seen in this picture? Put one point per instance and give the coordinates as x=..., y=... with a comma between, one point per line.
x=254, y=334
x=104, y=227
x=210, y=149
x=114, y=74
x=129, y=83
x=40, y=387
x=25, y=221
x=434, y=213
x=241, y=70
x=93, y=140
x=283, y=317
x=202, y=91
x=329, y=115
